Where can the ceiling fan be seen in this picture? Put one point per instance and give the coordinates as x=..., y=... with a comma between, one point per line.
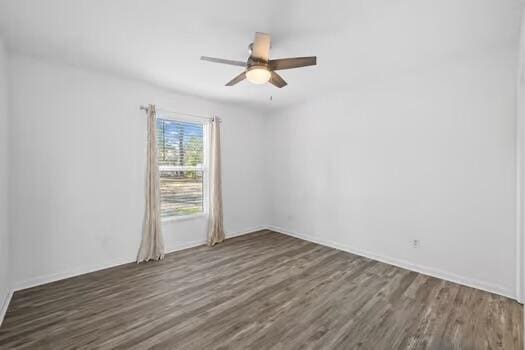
x=259, y=68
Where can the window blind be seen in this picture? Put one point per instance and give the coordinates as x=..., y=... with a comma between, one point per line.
x=180, y=146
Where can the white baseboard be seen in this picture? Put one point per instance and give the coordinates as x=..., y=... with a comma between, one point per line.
x=5, y=305
x=425, y=270
x=37, y=281
x=241, y=233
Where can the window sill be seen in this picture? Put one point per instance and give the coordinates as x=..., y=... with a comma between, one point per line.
x=183, y=217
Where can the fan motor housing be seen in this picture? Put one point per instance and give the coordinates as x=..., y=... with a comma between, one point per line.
x=255, y=65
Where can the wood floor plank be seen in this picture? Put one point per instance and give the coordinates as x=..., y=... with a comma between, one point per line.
x=260, y=291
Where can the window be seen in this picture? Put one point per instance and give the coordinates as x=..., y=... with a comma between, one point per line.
x=182, y=167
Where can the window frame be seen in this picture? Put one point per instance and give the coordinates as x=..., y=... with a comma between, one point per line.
x=204, y=167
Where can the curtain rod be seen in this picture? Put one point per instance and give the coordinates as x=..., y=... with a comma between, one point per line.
x=145, y=108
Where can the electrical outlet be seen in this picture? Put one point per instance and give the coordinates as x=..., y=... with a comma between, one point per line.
x=415, y=243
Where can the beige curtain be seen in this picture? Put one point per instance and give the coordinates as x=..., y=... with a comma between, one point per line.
x=152, y=246
x=216, y=230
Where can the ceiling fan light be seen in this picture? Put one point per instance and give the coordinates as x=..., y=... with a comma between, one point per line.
x=258, y=75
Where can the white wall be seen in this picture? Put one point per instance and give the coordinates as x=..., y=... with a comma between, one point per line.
x=78, y=164
x=427, y=156
x=4, y=187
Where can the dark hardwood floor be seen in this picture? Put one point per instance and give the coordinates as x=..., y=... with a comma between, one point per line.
x=260, y=291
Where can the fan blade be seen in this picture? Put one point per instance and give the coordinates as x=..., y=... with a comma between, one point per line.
x=237, y=79
x=294, y=62
x=261, y=46
x=221, y=60
x=277, y=80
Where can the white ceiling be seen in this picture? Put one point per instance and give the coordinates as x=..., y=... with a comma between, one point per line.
x=356, y=41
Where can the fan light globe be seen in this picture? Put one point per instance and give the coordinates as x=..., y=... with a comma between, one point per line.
x=259, y=75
